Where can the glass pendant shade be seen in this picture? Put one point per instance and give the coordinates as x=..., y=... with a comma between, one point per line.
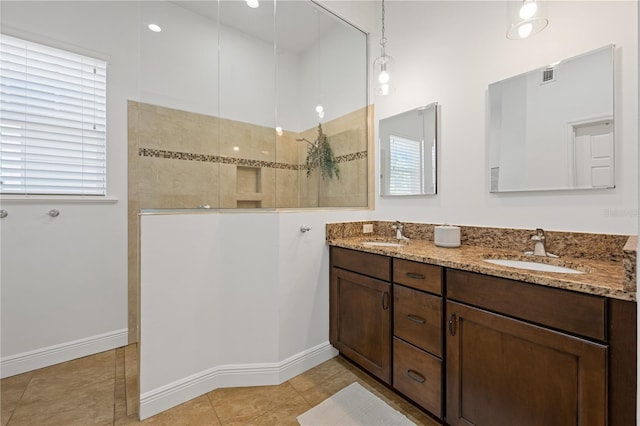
x=383, y=74
x=525, y=18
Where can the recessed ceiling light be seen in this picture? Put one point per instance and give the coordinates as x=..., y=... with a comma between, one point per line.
x=155, y=28
x=253, y=3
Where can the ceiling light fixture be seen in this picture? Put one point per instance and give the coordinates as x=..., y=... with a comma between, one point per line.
x=154, y=27
x=525, y=18
x=383, y=66
x=253, y=4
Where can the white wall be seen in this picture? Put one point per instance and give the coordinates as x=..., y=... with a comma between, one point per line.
x=450, y=51
x=64, y=280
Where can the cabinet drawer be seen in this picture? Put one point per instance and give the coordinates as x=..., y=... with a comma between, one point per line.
x=418, y=375
x=418, y=318
x=373, y=265
x=576, y=313
x=418, y=275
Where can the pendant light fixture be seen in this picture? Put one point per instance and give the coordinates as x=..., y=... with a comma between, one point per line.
x=383, y=66
x=525, y=18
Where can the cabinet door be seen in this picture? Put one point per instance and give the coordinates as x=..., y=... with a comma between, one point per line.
x=361, y=320
x=502, y=371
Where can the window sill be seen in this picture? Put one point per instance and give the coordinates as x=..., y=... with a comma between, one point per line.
x=58, y=199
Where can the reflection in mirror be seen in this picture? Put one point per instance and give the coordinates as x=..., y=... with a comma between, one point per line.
x=408, y=143
x=553, y=128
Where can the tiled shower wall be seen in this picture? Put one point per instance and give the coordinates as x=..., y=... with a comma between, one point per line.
x=179, y=159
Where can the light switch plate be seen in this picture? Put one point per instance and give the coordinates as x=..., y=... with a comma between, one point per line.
x=367, y=228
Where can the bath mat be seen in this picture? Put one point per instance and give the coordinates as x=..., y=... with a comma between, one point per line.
x=353, y=406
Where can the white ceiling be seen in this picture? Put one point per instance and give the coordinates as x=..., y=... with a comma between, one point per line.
x=298, y=22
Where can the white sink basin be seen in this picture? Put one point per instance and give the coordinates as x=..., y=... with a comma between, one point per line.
x=534, y=266
x=381, y=244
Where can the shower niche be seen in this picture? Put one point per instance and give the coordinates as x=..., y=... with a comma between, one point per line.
x=249, y=187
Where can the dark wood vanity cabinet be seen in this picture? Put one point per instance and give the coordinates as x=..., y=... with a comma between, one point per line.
x=523, y=354
x=474, y=349
x=360, y=309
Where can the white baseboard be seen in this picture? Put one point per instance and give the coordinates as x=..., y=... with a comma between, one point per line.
x=223, y=376
x=44, y=357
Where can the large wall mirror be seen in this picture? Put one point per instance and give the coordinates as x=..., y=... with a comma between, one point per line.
x=408, y=144
x=553, y=128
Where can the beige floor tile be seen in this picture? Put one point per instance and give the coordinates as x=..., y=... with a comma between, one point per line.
x=78, y=392
x=6, y=416
x=127, y=421
x=89, y=406
x=317, y=375
x=243, y=405
x=195, y=412
x=283, y=416
x=12, y=388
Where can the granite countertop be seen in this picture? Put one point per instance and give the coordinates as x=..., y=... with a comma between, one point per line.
x=601, y=277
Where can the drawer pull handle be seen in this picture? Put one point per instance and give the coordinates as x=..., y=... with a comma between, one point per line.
x=385, y=300
x=414, y=375
x=416, y=319
x=415, y=276
x=452, y=324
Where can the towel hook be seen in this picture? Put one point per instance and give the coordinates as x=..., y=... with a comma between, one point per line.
x=305, y=228
x=54, y=213
x=3, y=213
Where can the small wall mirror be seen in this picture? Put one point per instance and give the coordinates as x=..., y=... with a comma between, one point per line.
x=408, y=144
x=553, y=128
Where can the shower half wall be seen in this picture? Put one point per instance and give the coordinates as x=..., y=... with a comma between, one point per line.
x=184, y=160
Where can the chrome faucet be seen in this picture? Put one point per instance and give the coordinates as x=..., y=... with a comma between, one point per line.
x=540, y=249
x=399, y=227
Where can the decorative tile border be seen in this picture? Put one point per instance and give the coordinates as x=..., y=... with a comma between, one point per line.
x=351, y=157
x=206, y=158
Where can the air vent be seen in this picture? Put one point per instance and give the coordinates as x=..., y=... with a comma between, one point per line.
x=547, y=75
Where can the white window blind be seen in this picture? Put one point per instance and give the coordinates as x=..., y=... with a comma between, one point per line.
x=52, y=121
x=406, y=166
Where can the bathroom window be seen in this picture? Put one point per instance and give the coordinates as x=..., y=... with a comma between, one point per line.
x=52, y=121
x=406, y=166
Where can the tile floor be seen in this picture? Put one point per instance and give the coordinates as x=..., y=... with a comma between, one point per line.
x=102, y=390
